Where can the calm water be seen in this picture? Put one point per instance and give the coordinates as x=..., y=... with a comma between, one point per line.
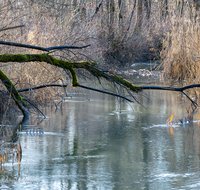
x=91, y=145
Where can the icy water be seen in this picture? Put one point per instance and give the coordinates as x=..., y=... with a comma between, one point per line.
x=92, y=145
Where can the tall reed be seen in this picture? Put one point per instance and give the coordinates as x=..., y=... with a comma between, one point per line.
x=181, y=48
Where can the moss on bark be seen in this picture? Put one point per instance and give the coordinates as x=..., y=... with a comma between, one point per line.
x=90, y=67
x=11, y=88
x=70, y=66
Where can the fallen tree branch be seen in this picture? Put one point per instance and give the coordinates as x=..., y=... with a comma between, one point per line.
x=66, y=47
x=71, y=66
x=193, y=102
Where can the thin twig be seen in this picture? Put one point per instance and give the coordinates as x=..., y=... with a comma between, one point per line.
x=104, y=92
x=36, y=107
x=97, y=8
x=193, y=102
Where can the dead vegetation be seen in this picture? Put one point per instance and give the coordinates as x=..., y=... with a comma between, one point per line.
x=180, y=52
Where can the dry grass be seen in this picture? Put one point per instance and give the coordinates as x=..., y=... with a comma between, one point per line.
x=180, y=52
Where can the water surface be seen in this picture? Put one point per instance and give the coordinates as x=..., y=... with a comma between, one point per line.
x=94, y=145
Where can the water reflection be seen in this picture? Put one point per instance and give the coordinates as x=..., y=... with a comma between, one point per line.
x=89, y=145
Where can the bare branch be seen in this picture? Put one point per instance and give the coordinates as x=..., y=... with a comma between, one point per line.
x=36, y=107
x=92, y=69
x=42, y=48
x=42, y=86
x=104, y=92
x=193, y=102
x=23, y=45
x=180, y=89
x=67, y=47
x=177, y=89
x=13, y=27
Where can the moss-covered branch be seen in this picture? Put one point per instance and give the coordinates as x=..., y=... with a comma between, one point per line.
x=10, y=87
x=70, y=66
x=13, y=92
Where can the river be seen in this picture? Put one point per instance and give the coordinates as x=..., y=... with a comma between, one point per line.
x=98, y=143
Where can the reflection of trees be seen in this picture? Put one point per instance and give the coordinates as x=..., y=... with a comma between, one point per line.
x=121, y=156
